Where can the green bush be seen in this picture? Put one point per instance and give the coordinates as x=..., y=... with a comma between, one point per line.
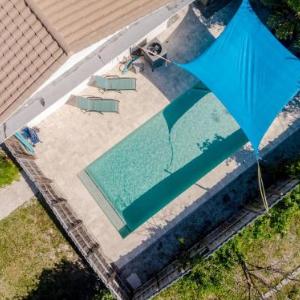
x=284, y=20
x=215, y=277
x=294, y=169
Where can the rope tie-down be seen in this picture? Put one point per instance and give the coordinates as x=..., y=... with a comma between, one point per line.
x=261, y=186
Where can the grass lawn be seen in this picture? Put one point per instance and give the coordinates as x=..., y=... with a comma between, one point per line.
x=250, y=264
x=8, y=170
x=36, y=262
x=290, y=291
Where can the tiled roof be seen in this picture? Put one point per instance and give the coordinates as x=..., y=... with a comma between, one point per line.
x=36, y=36
x=28, y=54
x=82, y=22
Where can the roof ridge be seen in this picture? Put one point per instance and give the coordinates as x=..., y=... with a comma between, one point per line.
x=48, y=26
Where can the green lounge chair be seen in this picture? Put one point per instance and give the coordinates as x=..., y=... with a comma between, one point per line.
x=97, y=104
x=113, y=83
x=26, y=146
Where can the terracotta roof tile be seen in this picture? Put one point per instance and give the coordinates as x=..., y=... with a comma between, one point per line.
x=18, y=20
x=26, y=13
x=20, y=55
x=44, y=56
x=47, y=40
x=27, y=53
x=57, y=53
x=19, y=68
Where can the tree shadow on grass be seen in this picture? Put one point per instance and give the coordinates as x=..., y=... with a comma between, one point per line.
x=68, y=281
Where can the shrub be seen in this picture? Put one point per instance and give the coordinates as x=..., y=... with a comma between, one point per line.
x=284, y=20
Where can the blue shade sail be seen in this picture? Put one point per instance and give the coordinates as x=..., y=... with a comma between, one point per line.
x=250, y=72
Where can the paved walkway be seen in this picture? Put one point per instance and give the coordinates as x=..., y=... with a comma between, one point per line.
x=13, y=196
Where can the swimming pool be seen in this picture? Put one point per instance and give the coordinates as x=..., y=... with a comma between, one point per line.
x=161, y=159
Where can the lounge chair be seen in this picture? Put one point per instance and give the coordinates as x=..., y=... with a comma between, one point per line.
x=25, y=144
x=96, y=104
x=111, y=83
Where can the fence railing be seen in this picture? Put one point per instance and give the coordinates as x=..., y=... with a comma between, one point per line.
x=212, y=241
x=69, y=221
x=91, y=251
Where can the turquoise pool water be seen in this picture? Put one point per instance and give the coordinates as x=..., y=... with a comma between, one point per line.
x=161, y=159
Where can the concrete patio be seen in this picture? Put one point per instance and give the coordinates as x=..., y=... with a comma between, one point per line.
x=72, y=139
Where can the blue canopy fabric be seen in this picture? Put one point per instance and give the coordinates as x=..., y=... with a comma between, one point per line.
x=250, y=72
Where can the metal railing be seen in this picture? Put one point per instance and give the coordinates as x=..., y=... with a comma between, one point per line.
x=212, y=241
x=91, y=251
x=69, y=221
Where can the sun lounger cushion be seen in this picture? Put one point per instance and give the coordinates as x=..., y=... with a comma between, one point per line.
x=114, y=83
x=97, y=104
x=25, y=144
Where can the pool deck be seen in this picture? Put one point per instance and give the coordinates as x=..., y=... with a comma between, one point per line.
x=72, y=139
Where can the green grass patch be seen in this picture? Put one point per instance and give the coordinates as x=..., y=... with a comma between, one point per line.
x=36, y=262
x=8, y=170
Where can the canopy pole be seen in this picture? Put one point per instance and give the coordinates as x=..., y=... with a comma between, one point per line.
x=261, y=186
x=155, y=54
